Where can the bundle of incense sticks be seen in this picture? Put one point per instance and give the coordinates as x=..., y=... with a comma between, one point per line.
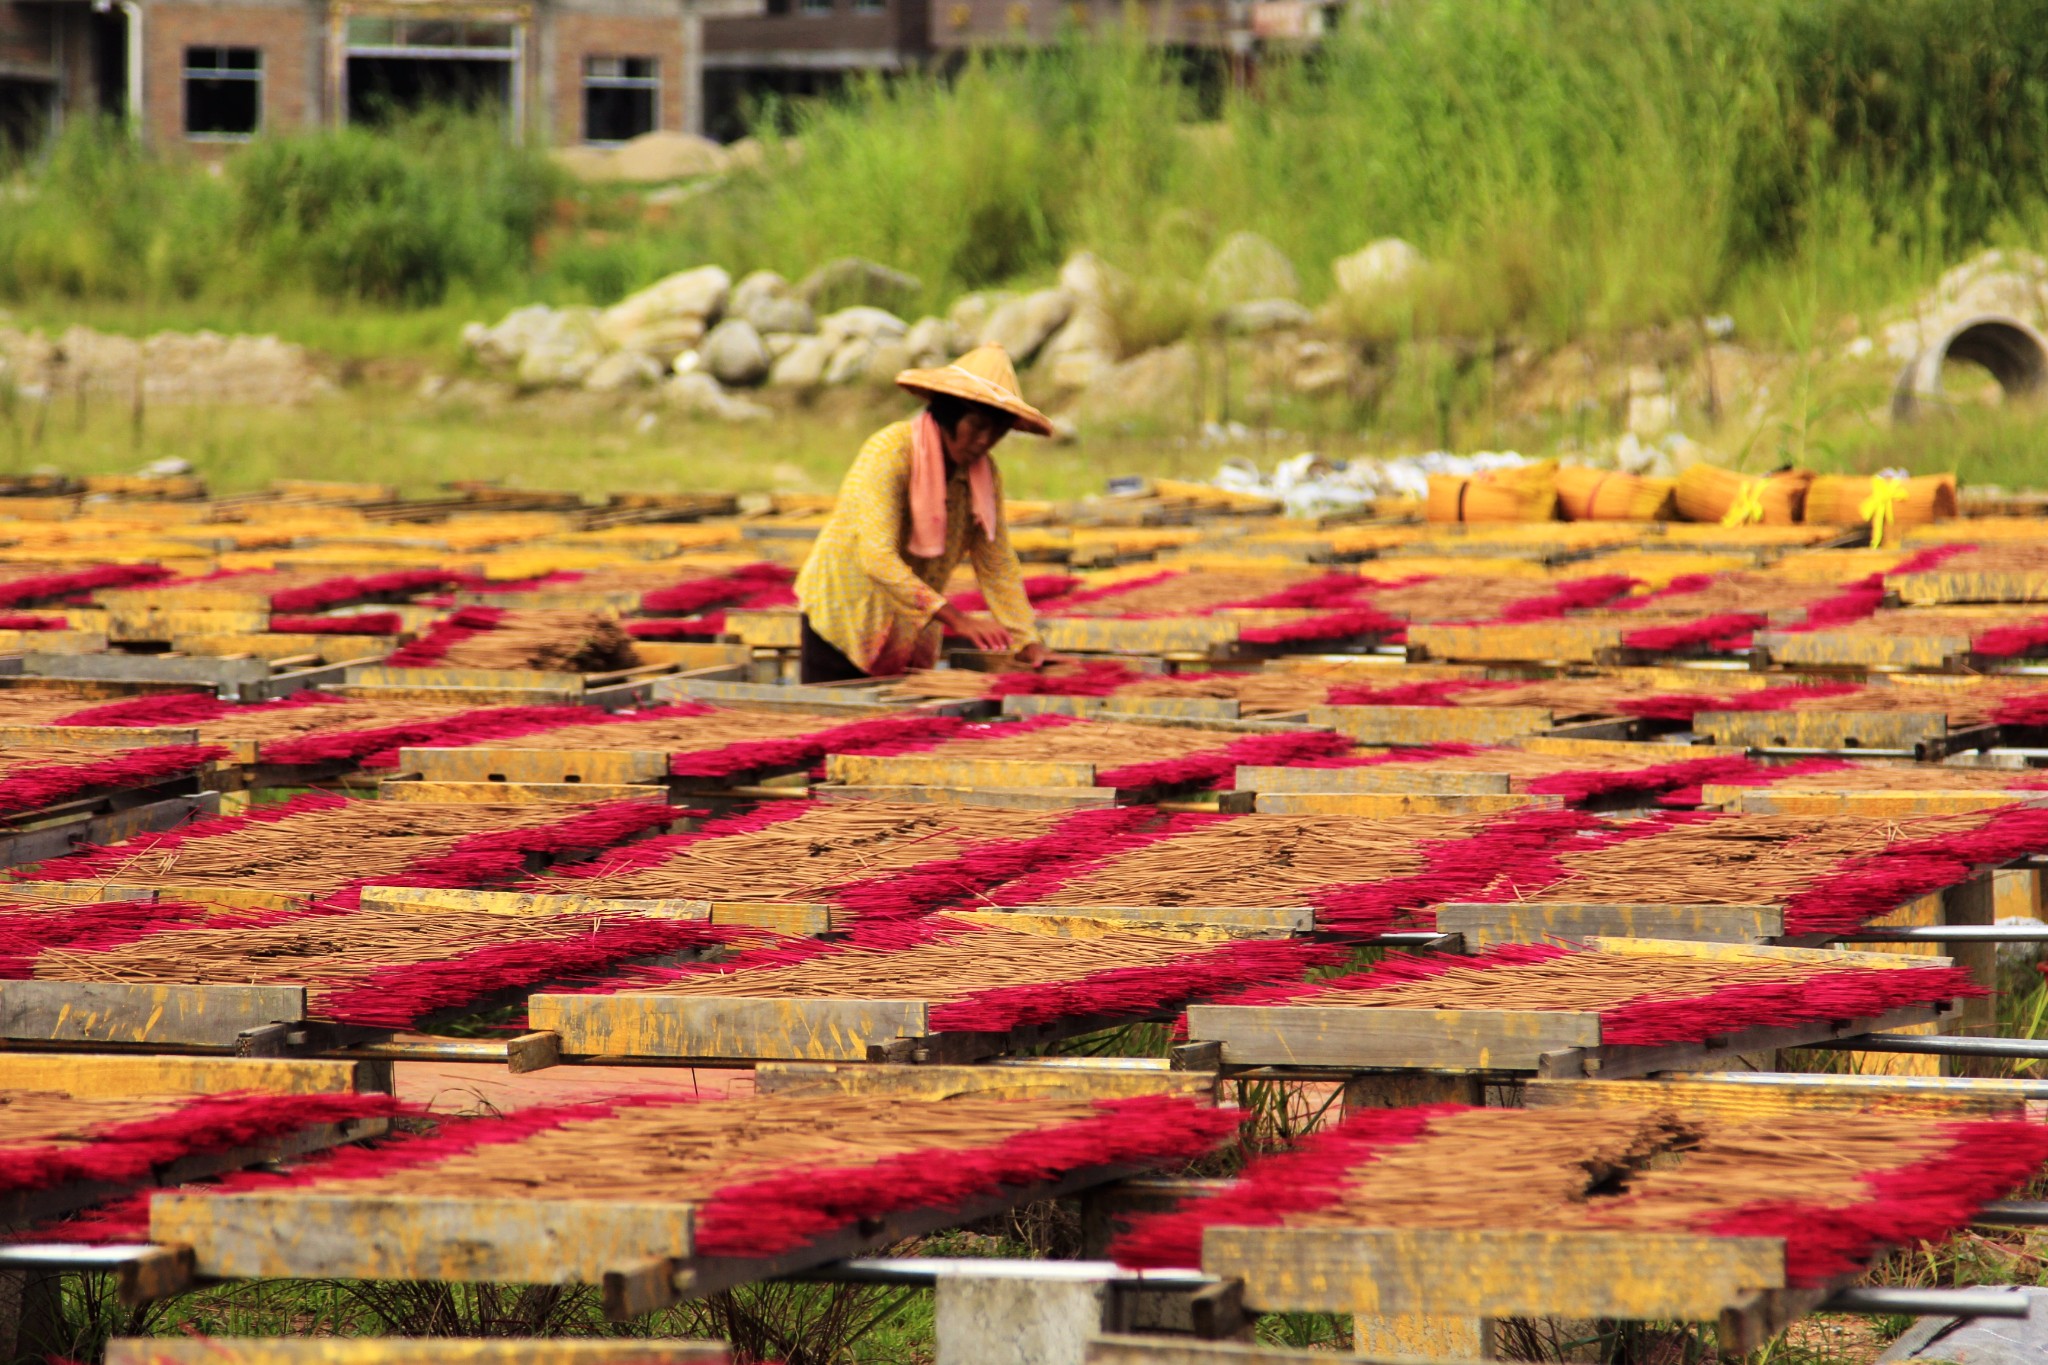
x=1643, y=1001
x=1133, y=755
x=1360, y=876
x=29, y=584
x=49, y=1140
x=327, y=847
x=495, y=638
x=1828, y=874
x=873, y=859
x=759, y=584
x=1838, y=1188
x=1478, y=600
x=1178, y=592
x=1565, y=698
x=1708, y=594
x=1834, y=776
x=381, y=969
x=986, y=978
x=1580, y=778
x=1965, y=558
x=311, y=728
x=766, y=1175
x=39, y=775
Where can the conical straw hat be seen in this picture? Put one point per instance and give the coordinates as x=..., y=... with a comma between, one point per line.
x=984, y=375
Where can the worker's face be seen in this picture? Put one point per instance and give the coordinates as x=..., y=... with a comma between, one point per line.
x=975, y=435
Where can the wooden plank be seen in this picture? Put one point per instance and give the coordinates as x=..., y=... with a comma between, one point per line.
x=1431, y=724
x=1561, y=641
x=165, y=623
x=502, y=679
x=227, y=897
x=1001, y=798
x=782, y=917
x=767, y=628
x=121, y=1012
x=1174, y=1350
x=146, y=668
x=1208, y=921
x=526, y=905
x=1765, y=801
x=89, y=1074
x=412, y=1351
x=1772, y=1094
x=797, y=697
x=1485, y=924
x=1640, y=750
x=1137, y=708
x=1756, y=952
x=1467, y=1040
x=464, y=696
x=273, y=646
x=1384, y=804
x=1163, y=635
x=1391, y=777
x=49, y=642
x=1022, y=1081
x=1853, y=649
x=1983, y=585
x=731, y=1028
x=1822, y=729
x=923, y=770
x=399, y=1237
x=1494, y=1272
x=96, y=736
x=513, y=793
x=56, y=840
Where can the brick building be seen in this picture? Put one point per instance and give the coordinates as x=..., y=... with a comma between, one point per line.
x=208, y=74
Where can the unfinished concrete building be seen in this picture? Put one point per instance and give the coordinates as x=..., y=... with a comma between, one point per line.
x=208, y=74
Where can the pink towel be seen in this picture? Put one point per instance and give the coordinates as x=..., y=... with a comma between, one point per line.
x=928, y=490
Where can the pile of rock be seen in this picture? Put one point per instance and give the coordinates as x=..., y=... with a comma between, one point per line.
x=169, y=367
x=704, y=339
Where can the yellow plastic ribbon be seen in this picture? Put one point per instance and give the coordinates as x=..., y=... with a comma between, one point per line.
x=1877, y=508
x=1748, y=507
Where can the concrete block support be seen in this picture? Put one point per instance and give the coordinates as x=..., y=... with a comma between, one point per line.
x=996, y=1319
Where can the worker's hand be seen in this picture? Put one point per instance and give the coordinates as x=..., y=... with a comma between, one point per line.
x=1032, y=655
x=983, y=633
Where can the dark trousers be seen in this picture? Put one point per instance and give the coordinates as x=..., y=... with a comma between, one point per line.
x=819, y=660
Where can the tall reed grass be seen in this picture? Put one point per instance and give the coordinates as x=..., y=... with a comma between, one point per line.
x=1571, y=167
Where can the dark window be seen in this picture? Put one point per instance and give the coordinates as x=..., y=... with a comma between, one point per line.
x=870, y=6
x=621, y=98
x=223, y=91
x=817, y=6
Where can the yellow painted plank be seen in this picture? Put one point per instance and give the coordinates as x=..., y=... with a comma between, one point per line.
x=511, y=763
x=1470, y=1040
x=1484, y=925
x=1818, y=729
x=1563, y=641
x=1431, y=724
x=1021, y=1081
x=394, y=1237
x=1495, y=1272
x=525, y=905
x=772, y=628
x=87, y=1074
x=1842, y=648
x=1381, y=805
x=915, y=770
x=503, y=679
x=1388, y=778
x=1751, y=952
x=725, y=1027
x=96, y=736
x=513, y=793
x=1166, y=635
x=1788, y=1093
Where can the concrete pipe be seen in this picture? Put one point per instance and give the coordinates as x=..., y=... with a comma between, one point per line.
x=2014, y=353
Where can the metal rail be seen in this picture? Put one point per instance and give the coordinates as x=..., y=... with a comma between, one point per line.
x=1945, y=1303
x=1951, y=933
x=1937, y=1046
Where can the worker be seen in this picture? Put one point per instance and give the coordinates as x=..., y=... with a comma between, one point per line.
x=922, y=495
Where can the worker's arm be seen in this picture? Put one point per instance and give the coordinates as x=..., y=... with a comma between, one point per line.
x=1002, y=584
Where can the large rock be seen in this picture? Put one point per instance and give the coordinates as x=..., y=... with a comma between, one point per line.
x=1266, y=315
x=802, y=366
x=932, y=341
x=1081, y=352
x=971, y=312
x=562, y=353
x=1378, y=268
x=851, y=281
x=766, y=300
x=622, y=370
x=850, y=361
x=505, y=343
x=654, y=157
x=699, y=394
x=887, y=360
x=735, y=354
x=1159, y=384
x=1090, y=279
x=1022, y=326
x=670, y=316
x=1247, y=267
x=864, y=324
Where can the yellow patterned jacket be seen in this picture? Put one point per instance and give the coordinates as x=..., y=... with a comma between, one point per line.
x=874, y=601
